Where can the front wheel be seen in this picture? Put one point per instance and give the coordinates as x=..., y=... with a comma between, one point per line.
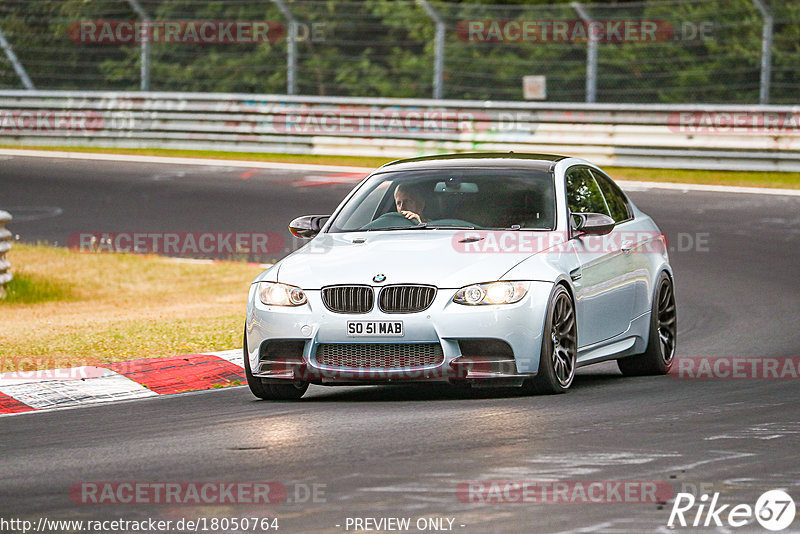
x=657, y=358
x=270, y=391
x=559, y=347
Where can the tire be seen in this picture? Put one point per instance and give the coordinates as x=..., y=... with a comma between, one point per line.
x=658, y=357
x=559, y=347
x=270, y=391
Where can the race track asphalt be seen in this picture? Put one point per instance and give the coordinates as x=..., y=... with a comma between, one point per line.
x=402, y=451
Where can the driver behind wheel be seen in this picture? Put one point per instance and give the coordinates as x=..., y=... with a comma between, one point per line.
x=410, y=203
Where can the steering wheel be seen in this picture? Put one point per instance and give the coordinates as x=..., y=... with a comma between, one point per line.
x=389, y=220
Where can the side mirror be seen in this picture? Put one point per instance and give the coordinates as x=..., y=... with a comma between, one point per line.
x=593, y=223
x=307, y=226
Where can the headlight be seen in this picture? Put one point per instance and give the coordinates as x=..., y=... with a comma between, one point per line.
x=491, y=293
x=275, y=294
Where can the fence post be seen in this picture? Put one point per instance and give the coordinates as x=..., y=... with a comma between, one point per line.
x=146, y=35
x=5, y=246
x=766, y=52
x=291, y=47
x=438, y=48
x=591, y=54
x=18, y=68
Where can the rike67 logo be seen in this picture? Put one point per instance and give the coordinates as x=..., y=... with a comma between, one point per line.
x=774, y=510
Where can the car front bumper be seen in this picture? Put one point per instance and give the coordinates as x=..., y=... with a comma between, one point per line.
x=444, y=323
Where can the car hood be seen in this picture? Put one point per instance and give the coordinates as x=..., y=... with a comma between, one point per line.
x=435, y=257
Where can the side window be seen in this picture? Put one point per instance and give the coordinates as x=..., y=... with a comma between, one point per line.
x=615, y=198
x=583, y=194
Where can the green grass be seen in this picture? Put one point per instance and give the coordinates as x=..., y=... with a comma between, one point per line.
x=91, y=308
x=131, y=338
x=27, y=288
x=784, y=180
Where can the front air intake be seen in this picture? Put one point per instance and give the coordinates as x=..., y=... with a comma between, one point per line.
x=385, y=356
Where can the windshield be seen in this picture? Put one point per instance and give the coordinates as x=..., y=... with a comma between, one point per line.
x=480, y=198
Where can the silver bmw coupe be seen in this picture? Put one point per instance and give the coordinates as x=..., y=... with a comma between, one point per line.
x=490, y=269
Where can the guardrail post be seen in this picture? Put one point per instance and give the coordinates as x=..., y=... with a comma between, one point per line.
x=291, y=47
x=146, y=35
x=5, y=246
x=591, y=54
x=18, y=68
x=766, y=52
x=438, y=48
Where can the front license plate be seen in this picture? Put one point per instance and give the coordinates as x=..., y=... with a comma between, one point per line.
x=375, y=328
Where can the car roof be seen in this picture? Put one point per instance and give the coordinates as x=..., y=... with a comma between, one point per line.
x=542, y=162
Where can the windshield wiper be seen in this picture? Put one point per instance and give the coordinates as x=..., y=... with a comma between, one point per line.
x=418, y=227
x=423, y=226
x=517, y=228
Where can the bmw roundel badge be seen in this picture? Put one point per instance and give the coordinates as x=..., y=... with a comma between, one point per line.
x=378, y=278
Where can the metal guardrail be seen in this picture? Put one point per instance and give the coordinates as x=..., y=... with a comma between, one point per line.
x=667, y=136
x=5, y=246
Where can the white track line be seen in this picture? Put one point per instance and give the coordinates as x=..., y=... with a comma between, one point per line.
x=49, y=389
x=644, y=186
x=629, y=185
x=43, y=394
x=234, y=356
x=183, y=161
